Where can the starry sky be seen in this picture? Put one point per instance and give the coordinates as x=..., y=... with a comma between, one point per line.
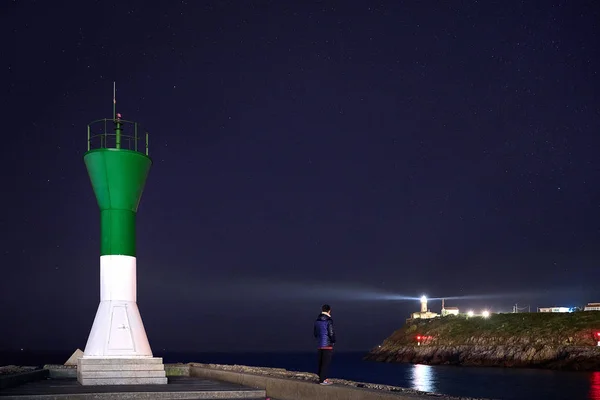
x=303, y=152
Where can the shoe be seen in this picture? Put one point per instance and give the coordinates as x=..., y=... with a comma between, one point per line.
x=326, y=382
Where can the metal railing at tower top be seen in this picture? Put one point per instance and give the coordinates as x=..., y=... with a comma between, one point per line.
x=117, y=134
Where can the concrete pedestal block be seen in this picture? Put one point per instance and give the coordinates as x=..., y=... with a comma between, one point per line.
x=121, y=371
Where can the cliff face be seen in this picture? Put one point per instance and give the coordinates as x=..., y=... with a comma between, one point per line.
x=544, y=340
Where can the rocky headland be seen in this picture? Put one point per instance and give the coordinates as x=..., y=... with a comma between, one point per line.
x=565, y=341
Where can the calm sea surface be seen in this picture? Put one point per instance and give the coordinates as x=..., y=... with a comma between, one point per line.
x=494, y=383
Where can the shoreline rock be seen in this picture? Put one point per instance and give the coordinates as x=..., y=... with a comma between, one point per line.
x=572, y=358
x=15, y=369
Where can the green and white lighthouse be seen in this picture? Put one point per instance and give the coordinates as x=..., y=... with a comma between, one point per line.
x=117, y=350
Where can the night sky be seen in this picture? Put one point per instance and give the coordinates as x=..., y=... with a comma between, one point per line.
x=303, y=152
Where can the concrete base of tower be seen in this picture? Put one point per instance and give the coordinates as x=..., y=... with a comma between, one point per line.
x=121, y=371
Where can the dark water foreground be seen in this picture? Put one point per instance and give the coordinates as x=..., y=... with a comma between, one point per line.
x=496, y=383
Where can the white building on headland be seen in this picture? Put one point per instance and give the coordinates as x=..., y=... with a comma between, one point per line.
x=448, y=310
x=424, y=313
x=555, y=309
x=592, y=307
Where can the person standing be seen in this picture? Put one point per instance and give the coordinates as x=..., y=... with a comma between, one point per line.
x=325, y=335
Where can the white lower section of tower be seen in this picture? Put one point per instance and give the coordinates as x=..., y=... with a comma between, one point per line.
x=118, y=330
x=117, y=350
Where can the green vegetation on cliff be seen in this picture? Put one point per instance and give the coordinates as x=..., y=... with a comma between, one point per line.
x=570, y=329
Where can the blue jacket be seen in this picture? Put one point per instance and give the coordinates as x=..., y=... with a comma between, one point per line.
x=323, y=331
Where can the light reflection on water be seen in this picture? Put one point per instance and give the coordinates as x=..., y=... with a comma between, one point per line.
x=595, y=386
x=477, y=382
x=423, y=378
x=502, y=383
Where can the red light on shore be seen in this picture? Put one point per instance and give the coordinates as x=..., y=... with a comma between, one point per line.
x=418, y=337
x=598, y=334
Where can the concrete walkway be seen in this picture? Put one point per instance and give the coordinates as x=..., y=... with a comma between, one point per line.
x=177, y=388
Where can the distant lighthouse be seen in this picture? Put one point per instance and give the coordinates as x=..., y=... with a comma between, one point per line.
x=423, y=304
x=424, y=313
x=117, y=351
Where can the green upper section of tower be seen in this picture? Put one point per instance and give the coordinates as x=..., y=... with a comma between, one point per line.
x=118, y=173
x=118, y=177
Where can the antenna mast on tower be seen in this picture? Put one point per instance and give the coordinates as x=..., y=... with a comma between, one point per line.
x=114, y=100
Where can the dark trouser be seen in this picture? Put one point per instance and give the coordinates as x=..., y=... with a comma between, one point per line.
x=324, y=363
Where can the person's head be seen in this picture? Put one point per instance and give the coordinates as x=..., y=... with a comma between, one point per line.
x=326, y=308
